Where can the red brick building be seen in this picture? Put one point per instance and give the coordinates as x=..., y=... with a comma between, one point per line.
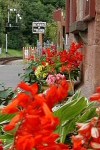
x=60, y=19
x=82, y=23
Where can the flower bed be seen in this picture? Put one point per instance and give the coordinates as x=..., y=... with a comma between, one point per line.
x=28, y=120
x=32, y=120
x=52, y=62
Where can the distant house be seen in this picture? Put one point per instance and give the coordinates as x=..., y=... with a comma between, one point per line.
x=82, y=24
x=60, y=19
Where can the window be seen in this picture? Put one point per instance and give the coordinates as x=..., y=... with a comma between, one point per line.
x=70, y=13
x=73, y=10
x=67, y=15
x=89, y=10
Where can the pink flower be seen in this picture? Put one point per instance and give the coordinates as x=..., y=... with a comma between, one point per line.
x=51, y=79
x=60, y=76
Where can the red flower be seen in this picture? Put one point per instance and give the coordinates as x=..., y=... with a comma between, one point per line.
x=77, y=142
x=89, y=135
x=63, y=56
x=13, y=122
x=29, y=88
x=31, y=58
x=95, y=97
x=98, y=89
x=20, y=101
x=34, y=118
x=57, y=93
x=1, y=145
x=44, y=63
x=68, y=68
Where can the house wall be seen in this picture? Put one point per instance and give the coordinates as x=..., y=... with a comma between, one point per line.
x=91, y=50
x=59, y=18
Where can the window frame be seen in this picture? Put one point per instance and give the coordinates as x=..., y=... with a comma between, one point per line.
x=91, y=12
x=67, y=20
x=71, y=12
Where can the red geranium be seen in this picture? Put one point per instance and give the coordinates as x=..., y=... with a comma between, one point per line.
x=34, y=118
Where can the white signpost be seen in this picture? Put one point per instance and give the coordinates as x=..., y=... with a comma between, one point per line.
x=26, y=54
x=38, y=27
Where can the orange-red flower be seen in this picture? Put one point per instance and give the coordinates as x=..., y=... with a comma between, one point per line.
x=98, y=89
x=89, y=135
x=19, y=102
x=95, y=97
x=57, y=93
x=34, y=118
x=33, y=89
x=1, y=145
x=13, y=122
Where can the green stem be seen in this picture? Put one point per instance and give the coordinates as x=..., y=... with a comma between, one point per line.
x=72, y=87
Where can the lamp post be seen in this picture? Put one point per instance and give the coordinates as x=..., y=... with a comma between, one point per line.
x=9, y=25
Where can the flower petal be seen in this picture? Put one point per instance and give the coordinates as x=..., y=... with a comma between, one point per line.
x=95, y=145
x=94, y=132
x=95, y=97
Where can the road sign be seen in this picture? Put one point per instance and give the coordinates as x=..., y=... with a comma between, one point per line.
x=39, y=24
x=38, y=27
x=38, y=30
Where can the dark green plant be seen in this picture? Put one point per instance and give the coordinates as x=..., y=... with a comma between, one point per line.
x=6, y=94
x=30, y=11
x=30, y=77
x=75, y=109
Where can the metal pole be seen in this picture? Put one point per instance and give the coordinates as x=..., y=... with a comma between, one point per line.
x=6, y=31
x=16, y=17
x=40, y=38
x=8, y=15
x=6, y=44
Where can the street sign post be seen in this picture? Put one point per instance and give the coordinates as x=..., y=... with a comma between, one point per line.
x=38, y=27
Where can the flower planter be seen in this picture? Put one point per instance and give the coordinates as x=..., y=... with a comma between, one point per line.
x=44, y=88
x=70, y=87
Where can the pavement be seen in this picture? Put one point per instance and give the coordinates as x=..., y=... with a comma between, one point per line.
x=9, y=73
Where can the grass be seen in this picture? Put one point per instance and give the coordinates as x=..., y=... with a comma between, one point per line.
x=11, y=53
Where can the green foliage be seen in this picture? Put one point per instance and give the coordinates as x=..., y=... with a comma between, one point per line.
x=74, y=74
x=7, y=138
x=76, y=109
x=30, y=11
x=51, y=32
x=55, y=3
x=30, y=77
x=6, y=94
x=11, y=53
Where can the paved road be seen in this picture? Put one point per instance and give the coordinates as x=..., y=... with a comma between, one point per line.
x=9, y=73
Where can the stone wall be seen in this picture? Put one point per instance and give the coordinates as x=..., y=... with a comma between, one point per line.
x=91, y=50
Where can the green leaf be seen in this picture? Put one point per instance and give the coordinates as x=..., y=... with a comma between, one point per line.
x=69, y=127
x=59, y=111
x=74, y=110
x=76, y=96
x=5, y=93
x=71, y=110
x=6, y=136
x=8, y=144
x=5, y=118
x=87, y=115
x=68, y=114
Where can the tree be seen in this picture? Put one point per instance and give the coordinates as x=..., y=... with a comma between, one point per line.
x=31, y=11
x=51, y=32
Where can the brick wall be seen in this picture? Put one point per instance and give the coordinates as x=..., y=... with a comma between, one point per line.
x=91, y=50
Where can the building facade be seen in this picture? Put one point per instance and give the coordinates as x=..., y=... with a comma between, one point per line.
x=60, y=19
x=82, y=24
